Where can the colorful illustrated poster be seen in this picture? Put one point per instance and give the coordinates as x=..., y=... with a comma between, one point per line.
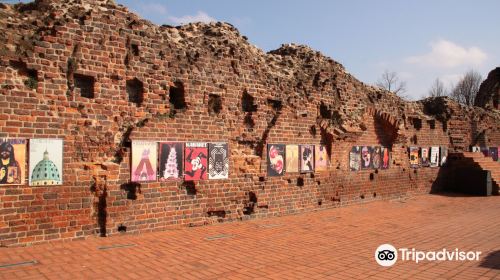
x=306, y=155
x=475, y=149
x=366, y=157
x=275, y=159
x=171, y=161
x=13, y=163
x=424, y=157
x=414, y=157
x=485, y=151
x=355, y=158
x=386, y=157
x=494, y=153
x=434, y=157
x=195, y=161
x=45, y=162
x=218, y=161
x=292, y=158
x=376, y=158
x=321, y=158
x=443, y=155
x=144, y=161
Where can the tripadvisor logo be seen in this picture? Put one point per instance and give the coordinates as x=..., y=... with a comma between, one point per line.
x=387, y=255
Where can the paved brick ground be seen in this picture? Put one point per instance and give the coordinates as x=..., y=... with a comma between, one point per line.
x=330, y=244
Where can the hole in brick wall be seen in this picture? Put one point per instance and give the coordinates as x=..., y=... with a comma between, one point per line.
x=362, y=196
x=311, y=175
x=320, y=202
x=300, y=182
x=376, y=171
x=414, y=139
x=374, y=194
x=248, y=120
x=176, y=98
x=324, y=111
x=372, y=176
x=417, y=123
x=252, y=197
x=432, y=124
x=318, y=182
x=132, y=188
x=415, y=171
x=22, y=70
x=289, y=181
x=190, y=187
x=217, y=213
x=262, y=179
x=135, y=49
x=214, y=104
x=248, y=102
x=122, y=228
x=277, y=105
x=85, y=85
x=312, y=130
x=135, y=91
x=252, y=200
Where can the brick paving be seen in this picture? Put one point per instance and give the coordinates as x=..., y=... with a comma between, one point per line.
x=328, y=244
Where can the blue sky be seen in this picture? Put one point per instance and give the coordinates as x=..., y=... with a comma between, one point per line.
x=420, y=40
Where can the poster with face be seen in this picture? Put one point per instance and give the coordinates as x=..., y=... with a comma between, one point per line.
x=275, y=159
x=144, y=161
x=321, y=158
x=485, y=151
x=218, y=161
x=306, y=155
x=45, y=162
x=171, y=161
x=475, y=149
x=13, y=161
x=355, y=158
x=292, y=158
x=366, y=157
x=434, y=157
x=195, y=161
x=424, y=157
x=443, y=155
x=414, y=157
x=494, y=153
x=386, y=157
x=376, y=157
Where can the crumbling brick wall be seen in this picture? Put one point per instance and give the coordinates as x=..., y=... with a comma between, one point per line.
x=98, y=76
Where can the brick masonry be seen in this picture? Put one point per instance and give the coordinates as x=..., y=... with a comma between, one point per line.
x=98, y=76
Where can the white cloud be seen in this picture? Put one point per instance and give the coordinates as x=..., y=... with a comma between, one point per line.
x=446, y=54
x=199, y=17
x=147, y=9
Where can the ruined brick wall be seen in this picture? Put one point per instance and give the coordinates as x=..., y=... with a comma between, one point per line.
x=489, y=91
x=98, y=76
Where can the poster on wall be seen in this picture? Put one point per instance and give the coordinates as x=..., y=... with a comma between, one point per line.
x=494, y=153
x=306, y=156
x=195, y=161
x=443, y=155
x=376, y=158
x=275, y=159
x=144, y=161
x=321, y=158
x=292, y=158
x=45, y=162
x=13, y=163
x=485, y=151
x=386, y=158
x=218, y=161
x=366, y=157
x=171, y=161
x=475, y=149
x=424, y=157
x=414, y=157
x=434, y=157
x=355, y=158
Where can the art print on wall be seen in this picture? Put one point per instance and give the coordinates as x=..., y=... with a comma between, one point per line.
x=434, y=157
x=13, y=161
x=424, y=157
x=144, y=161
x=171, y=161
x=306, y=156
x=494, y=153
x=195, y=161
x=218, y=161
x=414, y=157
x=366, y=157
x=275, y=159
x=321, y=158
x=386, y=157
x=376, y=157
x=475, y=149
x=485, y=151
x=45, y=162
x=292, y=158
x=443, y=156
x=355, y=158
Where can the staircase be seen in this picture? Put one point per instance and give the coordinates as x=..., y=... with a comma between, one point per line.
x=478, y=160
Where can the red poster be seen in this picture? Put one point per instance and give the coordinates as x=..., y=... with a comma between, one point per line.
x=195, y=161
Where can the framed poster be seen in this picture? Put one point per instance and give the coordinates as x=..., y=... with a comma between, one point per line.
x=386, y=157
x=292, y=158
x=171, y=161
x=376, y=158
x=414, y=157
x=195, y=161
x=45, y=162
x=276, y=159
x=494, y=153
x=475, y=149
x=485, y=151
x=321, y=158
x=366, y=157
x=144, y=161
x=443, y=155
x=218, y=161
x=355, y=158
x=424, y=157
x=306, y=156
x=13, y=163
x=434, y=157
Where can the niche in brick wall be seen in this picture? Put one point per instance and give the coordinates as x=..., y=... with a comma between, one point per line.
x=387, y=132
x=417, y=123
x=84, y=85
x=214, y=104
x=135, y=91
x=30, y=75
x=248, y=102
x=177, y=99
x=432, y=124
